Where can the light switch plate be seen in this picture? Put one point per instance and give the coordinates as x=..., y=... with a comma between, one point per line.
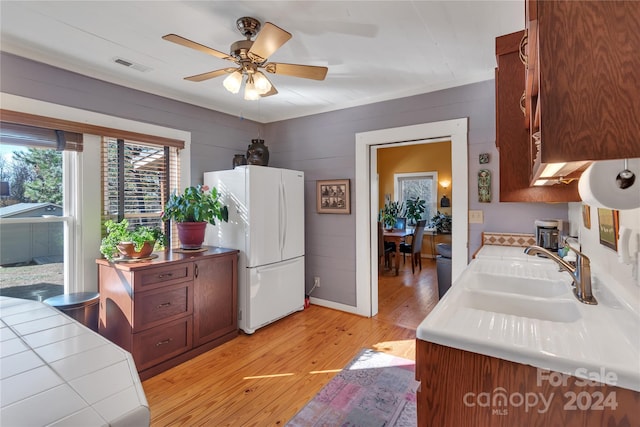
x=476, y=217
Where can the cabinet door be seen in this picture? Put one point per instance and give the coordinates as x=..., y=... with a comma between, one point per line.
x=512, y=135
x=215, y=298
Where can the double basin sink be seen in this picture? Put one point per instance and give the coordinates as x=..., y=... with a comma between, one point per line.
x=523, y=309
x=529, y=297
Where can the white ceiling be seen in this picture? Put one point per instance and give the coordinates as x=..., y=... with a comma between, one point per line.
x=375, y=50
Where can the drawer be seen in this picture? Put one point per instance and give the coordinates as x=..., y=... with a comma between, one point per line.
x=161, y=343
x=160, y=305
x=166, y=275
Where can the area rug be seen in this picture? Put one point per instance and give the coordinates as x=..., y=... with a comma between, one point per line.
x=374, y=389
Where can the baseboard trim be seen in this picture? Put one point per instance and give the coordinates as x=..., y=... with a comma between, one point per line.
x=334, y=305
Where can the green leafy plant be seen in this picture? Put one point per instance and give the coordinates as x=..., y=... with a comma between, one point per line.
x=120, y=232
x=414, y=209
x=196, y=204
x=390, y=212
x=442, y=222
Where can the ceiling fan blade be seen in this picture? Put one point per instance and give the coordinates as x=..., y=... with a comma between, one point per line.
x=273, y=91
x=297, y=70
x=269, y=39
x=209, y=75
x=197, y=46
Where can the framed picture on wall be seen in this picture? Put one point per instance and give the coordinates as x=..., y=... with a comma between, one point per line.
x=586, y=216
x=333, y=196
x=608, y=224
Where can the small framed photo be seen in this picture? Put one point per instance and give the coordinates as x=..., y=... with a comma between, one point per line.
x=586, y=216
x=333, y=196
x=608, y=221
x=483, y=158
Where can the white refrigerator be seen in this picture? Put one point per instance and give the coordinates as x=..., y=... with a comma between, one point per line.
x=266, y=223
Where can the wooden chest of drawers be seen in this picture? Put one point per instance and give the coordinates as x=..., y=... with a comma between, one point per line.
x=169, y=309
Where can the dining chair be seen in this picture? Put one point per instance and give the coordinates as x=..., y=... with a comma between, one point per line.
x=414, y=248
x=384, y=251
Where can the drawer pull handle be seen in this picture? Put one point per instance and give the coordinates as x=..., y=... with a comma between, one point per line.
x=162, y=276
x=167, y=341
x=164, y=305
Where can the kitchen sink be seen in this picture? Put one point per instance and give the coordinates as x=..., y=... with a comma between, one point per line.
x=534, y=287
x=534, y=308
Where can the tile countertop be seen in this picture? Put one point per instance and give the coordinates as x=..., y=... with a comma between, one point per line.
x=54, y=371
x=600, y=339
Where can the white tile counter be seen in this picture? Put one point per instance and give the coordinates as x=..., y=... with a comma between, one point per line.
x=54, y=371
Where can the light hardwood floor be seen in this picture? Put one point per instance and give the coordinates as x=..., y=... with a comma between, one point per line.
x=264, y=379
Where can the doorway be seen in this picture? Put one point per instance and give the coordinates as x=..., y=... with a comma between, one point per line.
x=366, y=196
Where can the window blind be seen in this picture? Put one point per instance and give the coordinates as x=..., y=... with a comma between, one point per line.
x=33, y=136
x=137, y=179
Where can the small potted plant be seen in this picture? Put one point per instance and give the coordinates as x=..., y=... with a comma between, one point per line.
x=139, y=242
x=192, y=210
x=414, y=209
x=390, y=213
x=442, y=222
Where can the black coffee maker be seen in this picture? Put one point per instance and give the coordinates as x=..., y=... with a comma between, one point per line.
x=547, y=233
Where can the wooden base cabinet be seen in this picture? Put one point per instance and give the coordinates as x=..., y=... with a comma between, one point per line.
x=169, y=309
x=463, y=389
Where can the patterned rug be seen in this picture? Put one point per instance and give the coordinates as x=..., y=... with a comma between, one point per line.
x=374, y=389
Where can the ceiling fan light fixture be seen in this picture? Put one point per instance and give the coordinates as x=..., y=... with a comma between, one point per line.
x=261, y=82
x=250, y=91
x=233, y=82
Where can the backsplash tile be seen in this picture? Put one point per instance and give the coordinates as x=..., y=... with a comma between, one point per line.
x=508, y=239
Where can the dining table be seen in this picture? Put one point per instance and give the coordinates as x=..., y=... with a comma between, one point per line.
x=397, y=236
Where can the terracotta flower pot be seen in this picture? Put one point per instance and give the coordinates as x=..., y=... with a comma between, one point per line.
x=191, y=234
x=127, y=249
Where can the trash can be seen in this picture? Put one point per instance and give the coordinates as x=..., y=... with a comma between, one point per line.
x=443, y=268
x=81, y=306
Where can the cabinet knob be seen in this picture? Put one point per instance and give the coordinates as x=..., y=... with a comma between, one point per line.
x=167, y=341
x=162, y=276
x=523, y=99
x=164, y=305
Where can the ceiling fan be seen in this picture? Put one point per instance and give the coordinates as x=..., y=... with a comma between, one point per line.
x=250, y=56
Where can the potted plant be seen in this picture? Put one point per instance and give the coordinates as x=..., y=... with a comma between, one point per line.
x=192, y=210
x=139, y=242
x=442, y=222
x=387, y=219
x=390, y=213
x=414, y=209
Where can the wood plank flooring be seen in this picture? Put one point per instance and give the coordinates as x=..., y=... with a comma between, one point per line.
x=264, y=379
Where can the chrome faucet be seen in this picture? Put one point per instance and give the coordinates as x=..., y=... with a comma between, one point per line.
x=581, y=273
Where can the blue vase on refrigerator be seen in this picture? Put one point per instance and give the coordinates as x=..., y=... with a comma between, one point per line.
x=266, y=224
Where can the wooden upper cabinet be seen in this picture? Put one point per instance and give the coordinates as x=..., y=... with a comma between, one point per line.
x=589, y=78
x=512, y=130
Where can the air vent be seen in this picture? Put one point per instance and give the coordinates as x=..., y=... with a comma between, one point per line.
x=130, y=64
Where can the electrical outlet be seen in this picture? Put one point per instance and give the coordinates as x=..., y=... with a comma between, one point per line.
x=476, y=217
x=316, y=282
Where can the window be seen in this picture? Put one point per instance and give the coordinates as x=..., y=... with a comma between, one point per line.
x=136, y=180
x=37, y=210
x=419, y=184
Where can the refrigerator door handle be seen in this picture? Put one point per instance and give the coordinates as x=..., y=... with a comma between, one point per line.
x=283, y=229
